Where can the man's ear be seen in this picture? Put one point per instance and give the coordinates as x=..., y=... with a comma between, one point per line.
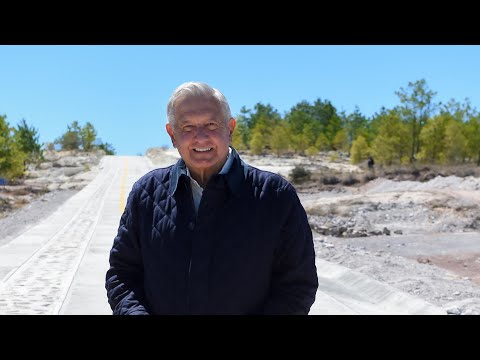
x=231, y=126
x=171, y=134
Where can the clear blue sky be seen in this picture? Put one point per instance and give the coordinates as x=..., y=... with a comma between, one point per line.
x=123, y=90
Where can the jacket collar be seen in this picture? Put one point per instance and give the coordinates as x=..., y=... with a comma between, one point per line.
x=235, y=176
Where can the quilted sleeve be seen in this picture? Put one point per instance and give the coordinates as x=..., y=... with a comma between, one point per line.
x=294, y=276
x=124, y=279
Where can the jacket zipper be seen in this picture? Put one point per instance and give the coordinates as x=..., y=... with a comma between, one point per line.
x=188, y=285
x=191, y=248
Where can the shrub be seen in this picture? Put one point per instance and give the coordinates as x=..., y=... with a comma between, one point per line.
x=330, y=180
x=368, y=177
x=350, y=180
x=300, y=174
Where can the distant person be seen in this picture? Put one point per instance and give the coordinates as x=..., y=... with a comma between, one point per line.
x=370, y=163
x=210, y=234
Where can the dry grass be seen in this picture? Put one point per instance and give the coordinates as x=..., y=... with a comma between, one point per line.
x=329, y=179
x=426, y=172
x=325, y=210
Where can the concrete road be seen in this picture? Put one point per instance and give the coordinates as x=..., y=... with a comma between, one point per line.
x=59, y=266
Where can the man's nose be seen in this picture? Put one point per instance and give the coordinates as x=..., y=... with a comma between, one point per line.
x=200, y=132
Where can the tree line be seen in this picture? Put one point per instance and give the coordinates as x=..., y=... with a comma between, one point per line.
x=417, y=130
x=20, y=146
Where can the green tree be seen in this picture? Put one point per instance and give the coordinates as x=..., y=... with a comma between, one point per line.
x=266, y=119
x=306, y=122
x=260, y=123
x=432, y=139
x=416, y=108
x=245, y=117
x=280, y=139
x=309, y=134
x=88, y=134
x=359, y=151
x=12, y=158
x=472, y=134
x=240, y=137
x=300, y=115
x=354, y=124
x=263, y=114
x=392, y=142
x=108, y=148
x=340, y=141
x=322, y=143
x=257, y=145
x=27, y=139
x=373, y=125
x=455, y=142
x=71, y=139
x=326, y=114
x=301, y=128
x=311, y=151
x=459, y=111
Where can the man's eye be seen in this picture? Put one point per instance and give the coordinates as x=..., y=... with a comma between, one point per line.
x=188, y=128
x=212, y=126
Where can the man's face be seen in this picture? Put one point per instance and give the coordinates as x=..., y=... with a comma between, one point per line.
x=201, y=134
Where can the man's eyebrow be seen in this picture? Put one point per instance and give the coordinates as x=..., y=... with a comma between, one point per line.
x=214, y=118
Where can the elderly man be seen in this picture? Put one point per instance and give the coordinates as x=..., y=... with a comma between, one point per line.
x=210, y=234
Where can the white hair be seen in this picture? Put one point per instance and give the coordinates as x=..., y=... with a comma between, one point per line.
x=196, y=89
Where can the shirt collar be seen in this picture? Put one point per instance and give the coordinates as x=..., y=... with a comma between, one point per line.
x=234, y=169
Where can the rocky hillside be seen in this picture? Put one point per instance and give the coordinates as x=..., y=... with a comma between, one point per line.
x=61, y=170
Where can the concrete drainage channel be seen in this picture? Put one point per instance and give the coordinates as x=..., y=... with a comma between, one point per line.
x=345, y=291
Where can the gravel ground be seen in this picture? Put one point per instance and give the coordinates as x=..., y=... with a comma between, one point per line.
x=417, y=275
x=22, y=219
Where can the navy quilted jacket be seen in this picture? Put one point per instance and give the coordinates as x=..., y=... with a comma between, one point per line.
x=248, y=251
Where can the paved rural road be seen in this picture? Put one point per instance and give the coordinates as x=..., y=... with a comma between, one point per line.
x=59, y=265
